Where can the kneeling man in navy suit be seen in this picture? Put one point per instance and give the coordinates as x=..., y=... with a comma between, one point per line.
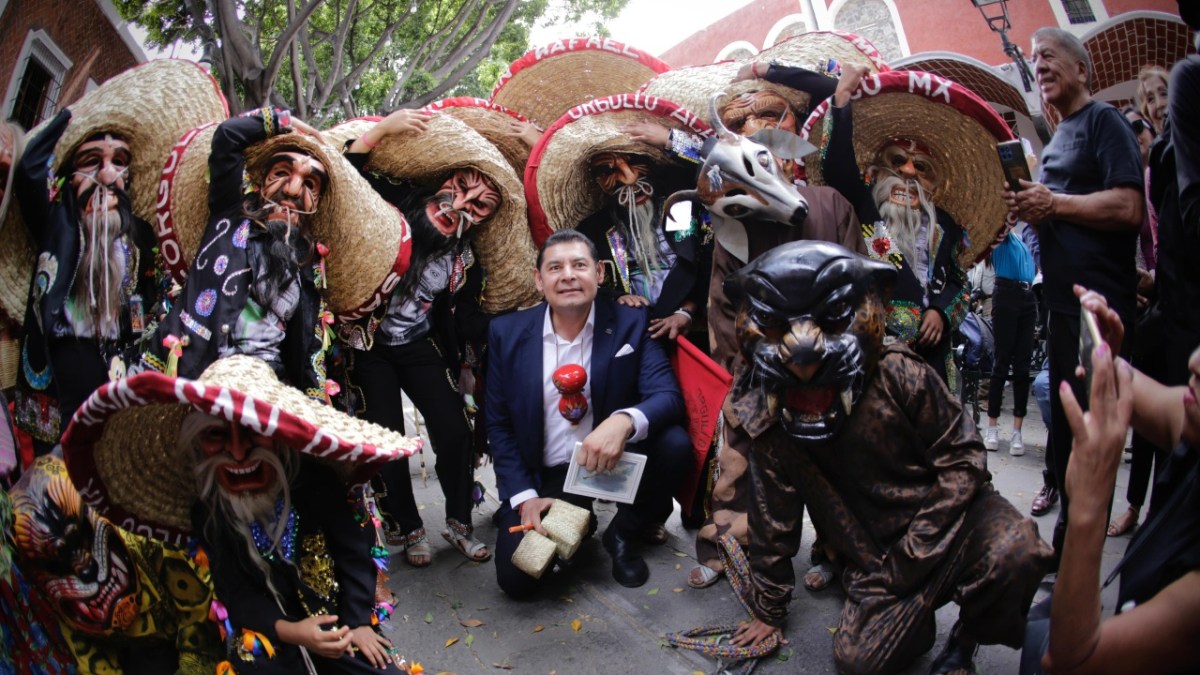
x=632, y=398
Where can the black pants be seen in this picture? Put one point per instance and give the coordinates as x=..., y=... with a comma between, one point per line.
x=79, y=370
x=1063, y=347
x=668, y=456
x=936, y=354
x=419, y=370
x=1014, y=315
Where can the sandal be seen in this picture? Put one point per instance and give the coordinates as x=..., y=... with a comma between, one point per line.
x=702, y=576
x=415, y=546
x=1125, y=523
x=823, y=572
x=462, y=538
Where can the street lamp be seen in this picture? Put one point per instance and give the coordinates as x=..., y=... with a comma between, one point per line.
x=995, y=12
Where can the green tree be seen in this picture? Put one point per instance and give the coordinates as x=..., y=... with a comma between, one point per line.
x=336, y=59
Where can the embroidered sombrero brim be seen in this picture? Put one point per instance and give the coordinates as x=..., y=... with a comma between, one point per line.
x=558, y=184
x=493, y=121
x=368, y=240
x=548, y=81
x=958, y=127
x=123, y=451
x=503, y=244
x=149, y=106
x=693, y=87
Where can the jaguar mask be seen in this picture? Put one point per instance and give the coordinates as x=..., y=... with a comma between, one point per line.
x=76, y=558
x=810, y=324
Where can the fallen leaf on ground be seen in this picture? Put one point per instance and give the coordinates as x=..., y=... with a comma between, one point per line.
x=576, y=625
x=832, y=629
x=677, y=590
x=652, y=591
x=678, y=566
x=502, y=666
x=428, y=617
x=471, y=623
x=680, y=554
x=539, y=628
x=469, y=640
x=450, y=642
x=440, y=595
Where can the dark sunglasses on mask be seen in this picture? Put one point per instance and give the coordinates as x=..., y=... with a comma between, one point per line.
x=1139, y=126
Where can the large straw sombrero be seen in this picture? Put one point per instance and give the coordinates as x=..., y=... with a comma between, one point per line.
x=505, y=248
x=368, y=240
x=693, y=87
x=558, y=185
x=149, y=105
x=122, y=448
x=955, y=124
x=547, y=81
x=492, y=121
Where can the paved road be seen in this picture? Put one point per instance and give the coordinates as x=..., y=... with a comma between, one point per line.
x=620, y=630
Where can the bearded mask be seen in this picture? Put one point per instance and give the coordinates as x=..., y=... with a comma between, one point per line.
x=810, y=324
x=77, y=559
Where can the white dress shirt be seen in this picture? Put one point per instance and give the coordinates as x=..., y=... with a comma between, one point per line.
x=560, y=436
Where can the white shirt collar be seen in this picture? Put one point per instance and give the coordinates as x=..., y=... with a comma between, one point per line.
x=589, y=326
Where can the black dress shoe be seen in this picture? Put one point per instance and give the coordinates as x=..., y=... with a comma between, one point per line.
x=958, y=656
x=1045, y=500
x=628, y=567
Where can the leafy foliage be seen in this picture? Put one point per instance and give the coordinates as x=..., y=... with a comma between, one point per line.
x=335, y=59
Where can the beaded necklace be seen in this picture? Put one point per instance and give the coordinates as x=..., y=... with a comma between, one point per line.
x=287, y=544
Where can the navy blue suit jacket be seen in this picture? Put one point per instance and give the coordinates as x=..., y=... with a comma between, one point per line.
x=515, y=420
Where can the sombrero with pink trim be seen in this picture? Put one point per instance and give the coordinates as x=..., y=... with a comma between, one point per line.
x=149, y=106
x=368, y=240
x=123, y=452
x=558, y=184
x=958, y=127
x=692, y=87
x=550, y=80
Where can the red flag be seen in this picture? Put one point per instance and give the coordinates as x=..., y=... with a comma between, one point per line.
x=704, y=384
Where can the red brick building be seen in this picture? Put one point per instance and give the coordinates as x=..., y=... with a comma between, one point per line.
x=951, y=38
x=52, y=52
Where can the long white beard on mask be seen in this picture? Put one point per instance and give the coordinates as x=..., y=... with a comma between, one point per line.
x=904, y=222
x=641, y=226
x=239, y=510
x=96, y=294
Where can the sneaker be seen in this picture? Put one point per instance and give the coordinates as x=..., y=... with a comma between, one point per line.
x=991, y=437
x=1016, y=447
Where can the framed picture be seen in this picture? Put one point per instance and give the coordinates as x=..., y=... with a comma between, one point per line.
x=618, y=484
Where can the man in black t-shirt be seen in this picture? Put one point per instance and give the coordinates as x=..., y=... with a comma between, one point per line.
x=1088, y=210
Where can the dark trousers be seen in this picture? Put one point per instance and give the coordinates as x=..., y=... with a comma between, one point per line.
x=1150, y=358
x=419, y=370
x=1063, y=347
x=668, y=456
x=936, y=355
x=1014, y=315
x=79, y=370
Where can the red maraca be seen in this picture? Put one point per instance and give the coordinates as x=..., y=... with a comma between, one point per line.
x=569, y=381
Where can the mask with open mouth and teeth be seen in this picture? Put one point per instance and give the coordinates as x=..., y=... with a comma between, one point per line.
x=77, y=559
x=810, y=325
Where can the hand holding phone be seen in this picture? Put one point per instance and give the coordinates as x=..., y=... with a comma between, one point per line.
x=1089, y=337
x=1012, y=160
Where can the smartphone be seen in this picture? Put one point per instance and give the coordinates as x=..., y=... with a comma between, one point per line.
x=1012, y=160
x=1089, y=337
